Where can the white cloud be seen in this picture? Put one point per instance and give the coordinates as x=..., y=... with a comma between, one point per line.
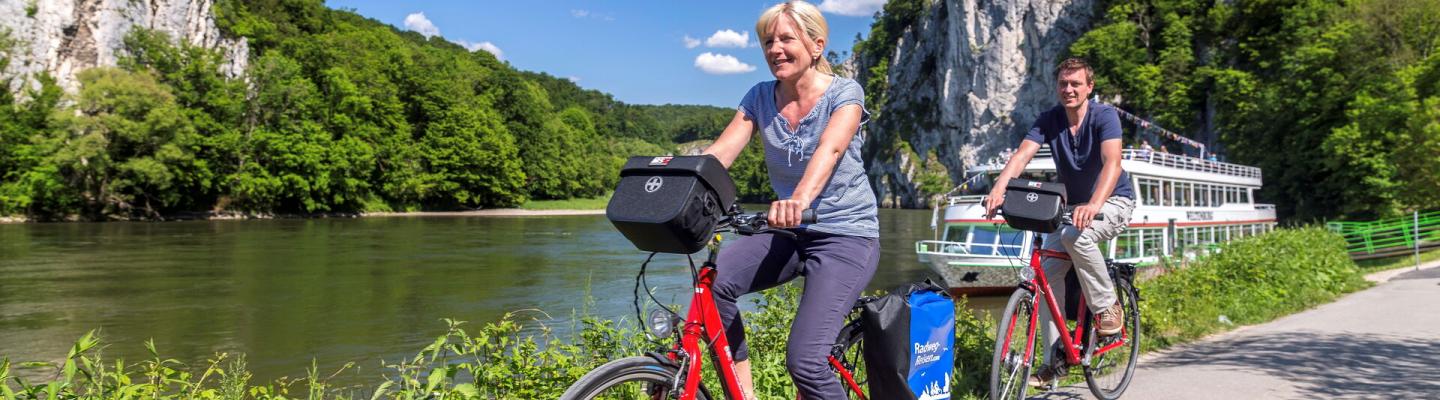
x=418, y=23
x=853, y=8
x=578, y=13
x=690, y=42
x=487, y=46
x=573, y=79
x=721, y=64
x=728, y=38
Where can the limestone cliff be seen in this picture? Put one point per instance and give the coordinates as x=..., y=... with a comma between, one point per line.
x=64, y=37
x=966, y=80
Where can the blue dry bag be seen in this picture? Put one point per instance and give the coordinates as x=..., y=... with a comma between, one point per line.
x=910, y=343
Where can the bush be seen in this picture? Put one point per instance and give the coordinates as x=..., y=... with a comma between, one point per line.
x=1248, y=281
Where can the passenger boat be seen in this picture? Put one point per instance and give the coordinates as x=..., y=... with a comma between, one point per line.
x=1184, y=205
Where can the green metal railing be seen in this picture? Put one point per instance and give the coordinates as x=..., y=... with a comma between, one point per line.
x=1389, y=235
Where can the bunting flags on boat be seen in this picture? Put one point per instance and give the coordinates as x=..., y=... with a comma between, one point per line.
x=1144, y=125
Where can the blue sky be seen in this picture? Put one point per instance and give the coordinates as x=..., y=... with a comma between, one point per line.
x=642, y=52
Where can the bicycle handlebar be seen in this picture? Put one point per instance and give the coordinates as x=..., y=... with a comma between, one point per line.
x=750, y=224
x=1065, y=215
x=806, y=217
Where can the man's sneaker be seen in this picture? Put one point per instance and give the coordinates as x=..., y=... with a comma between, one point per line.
x=1042, y=378
x=1111, y=320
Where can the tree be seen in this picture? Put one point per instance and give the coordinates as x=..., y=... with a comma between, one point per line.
x=127, y=148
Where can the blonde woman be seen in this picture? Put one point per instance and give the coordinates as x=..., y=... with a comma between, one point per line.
x=809, y=120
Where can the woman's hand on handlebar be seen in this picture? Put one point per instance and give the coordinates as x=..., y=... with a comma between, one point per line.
x=786, y=213
x=1082, y=215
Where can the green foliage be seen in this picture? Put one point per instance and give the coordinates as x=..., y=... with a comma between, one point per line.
x=129, y=148
x=335, y=113
x=752, y=177
x=1325, y=97
x=1247, y=281
x=933, y=177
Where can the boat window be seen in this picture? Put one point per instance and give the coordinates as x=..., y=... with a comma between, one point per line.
x=955, y=233
x=1152, y=242
x=1127, y=245
x=1167, y=191
x=1149, y=192
x=1244, y=195
x=1217, y=196
x=982, y=240
x=988, y=240
x=1202, y=195
x=1010, y=242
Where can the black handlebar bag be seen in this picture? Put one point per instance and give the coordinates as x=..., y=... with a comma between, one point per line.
x=1034, y=205
x=670, y=204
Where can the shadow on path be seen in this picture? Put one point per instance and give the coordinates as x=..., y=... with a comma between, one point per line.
x=1345, y=365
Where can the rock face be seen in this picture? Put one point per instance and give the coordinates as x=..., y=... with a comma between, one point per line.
x=64, y=37
x=966, y=81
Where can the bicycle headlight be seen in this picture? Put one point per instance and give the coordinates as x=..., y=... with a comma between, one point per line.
x=1026, y=273
x=660, y=323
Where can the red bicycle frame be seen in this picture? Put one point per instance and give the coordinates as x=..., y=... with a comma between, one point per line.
x=1041, y=285
x=703, y=322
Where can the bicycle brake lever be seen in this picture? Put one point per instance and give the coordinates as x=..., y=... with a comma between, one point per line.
x=782, y=232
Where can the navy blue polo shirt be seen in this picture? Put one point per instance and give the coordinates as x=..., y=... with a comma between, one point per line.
x=1077, y=157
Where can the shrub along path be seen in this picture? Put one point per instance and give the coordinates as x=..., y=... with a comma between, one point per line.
x=1380, y=342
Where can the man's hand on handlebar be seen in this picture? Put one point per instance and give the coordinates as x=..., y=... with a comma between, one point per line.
x=1082, y=215
x=993, y=202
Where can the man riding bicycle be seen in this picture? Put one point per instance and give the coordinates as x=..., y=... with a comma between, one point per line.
x=1084, y=138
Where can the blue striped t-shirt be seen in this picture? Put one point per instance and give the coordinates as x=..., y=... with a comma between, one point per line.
x=847, y=204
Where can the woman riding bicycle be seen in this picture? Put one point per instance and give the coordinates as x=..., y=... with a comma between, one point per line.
x=809, y=120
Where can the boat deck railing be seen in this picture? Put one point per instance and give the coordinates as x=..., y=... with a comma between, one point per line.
x=1190, y=163
x=944, y=248
x=1152, y=157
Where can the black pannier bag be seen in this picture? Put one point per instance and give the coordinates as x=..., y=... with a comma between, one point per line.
x=670, y=204
x=1033, y=205
x=910, y=342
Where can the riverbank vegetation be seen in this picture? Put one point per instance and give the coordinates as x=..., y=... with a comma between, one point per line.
x=333, y=113
x=1249, y=281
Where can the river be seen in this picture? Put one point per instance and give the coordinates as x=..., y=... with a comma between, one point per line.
x=286, y=292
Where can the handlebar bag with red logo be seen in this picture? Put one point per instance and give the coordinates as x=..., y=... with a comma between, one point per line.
x=910, y=343
x=670, y=204
x=1033, y=205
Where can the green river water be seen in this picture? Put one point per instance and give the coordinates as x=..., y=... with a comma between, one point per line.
x=286, y=292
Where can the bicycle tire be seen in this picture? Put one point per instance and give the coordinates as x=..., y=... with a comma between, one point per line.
x=1009, y=370
x=651, y=379
x=1101, y=373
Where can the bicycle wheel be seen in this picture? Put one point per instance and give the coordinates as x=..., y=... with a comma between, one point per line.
x=1109, y=374
x=1010, y=369
x=850, y=351
x=627, y=378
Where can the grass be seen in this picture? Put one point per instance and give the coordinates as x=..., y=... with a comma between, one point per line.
x=1389, y=263
x=595, y=203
